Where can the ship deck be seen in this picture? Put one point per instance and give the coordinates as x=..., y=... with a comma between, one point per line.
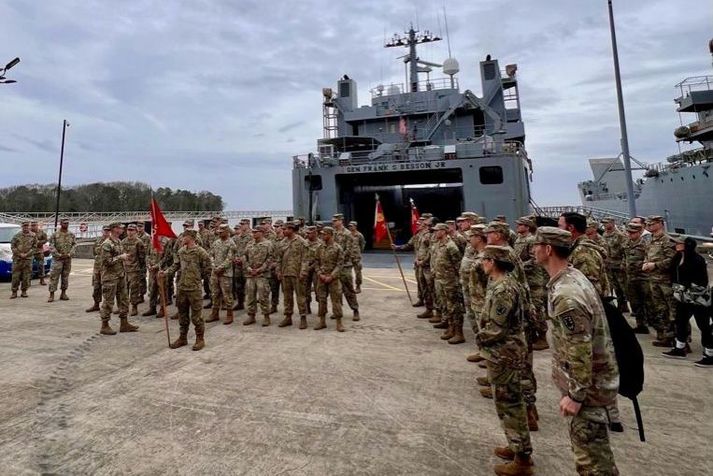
x=385, y=397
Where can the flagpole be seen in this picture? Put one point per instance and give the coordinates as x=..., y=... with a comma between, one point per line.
x=396, y=257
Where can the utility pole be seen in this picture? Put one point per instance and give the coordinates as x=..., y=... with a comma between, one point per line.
x=65, y=125
x=622, y=118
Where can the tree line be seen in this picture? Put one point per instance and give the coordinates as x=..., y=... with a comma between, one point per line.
x=104, y=197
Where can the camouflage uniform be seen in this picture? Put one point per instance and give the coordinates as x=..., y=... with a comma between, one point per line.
x=153, y=264
x=134, y=247
x=536, y=278
x=349, y=248
x=637, y=284
x=464, y=272
x=289, y=265
x=460, y=241
x=615, y=243
x=146, y=240
x=421, y=244
x=22, y=243
x=446, y=263
x=309, y=271
x=258, y=256
x=241, y=243
x=223, y=252
x=584, y=367
x=192, y=264
x=96, y=270
x=329, y=259
x=502, y=344
x=361, y=244
x=661, y=309
x=166, y=263
x=588, y=257
x=113, y=279
x=62, y=246
x=41, y=237
x=477, y=287
x=272, y=281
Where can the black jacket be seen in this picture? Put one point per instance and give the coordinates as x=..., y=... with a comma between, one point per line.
x=693, y=270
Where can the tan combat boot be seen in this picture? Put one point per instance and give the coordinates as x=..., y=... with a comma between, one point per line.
x=340, y=327
x=63, y=295
x=106, y=329
x=504, y=452
x=42, y=281
x=435, y=319
x=94, y=308
x=160, y=313
x=126, y=327
x=150, y=312
x=532, y=418
x=287, y=321
x=266, y=320
x=521, y=465
x=181, y=341
x=356, y=316
x=200, y=342
x=322, y=324
x=23, y=294
x=250, y=320
x=229, y=317
x=51, y=298
x=13, y=295
x=303, y=322
x=134, y=310
x=487, y=392
x=476, y=357
x=427, y=314
x=483, y=381
x=458, y=337
x=450, y=332
x=214, y=316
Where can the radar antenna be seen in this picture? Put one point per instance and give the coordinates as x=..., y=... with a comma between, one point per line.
x=410, y=41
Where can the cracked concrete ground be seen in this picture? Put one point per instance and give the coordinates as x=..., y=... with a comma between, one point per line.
x=385, y=397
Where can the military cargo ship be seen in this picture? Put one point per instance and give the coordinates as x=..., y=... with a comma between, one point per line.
x=681, y=189
x=448, y=150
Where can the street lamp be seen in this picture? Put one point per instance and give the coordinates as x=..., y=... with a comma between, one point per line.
x=5, y=69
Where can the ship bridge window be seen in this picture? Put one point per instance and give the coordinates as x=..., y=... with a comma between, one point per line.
x=491, y=175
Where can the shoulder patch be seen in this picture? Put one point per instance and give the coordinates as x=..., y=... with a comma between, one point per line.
x=568, y=322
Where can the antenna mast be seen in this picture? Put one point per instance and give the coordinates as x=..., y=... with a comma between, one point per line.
x=410, y=42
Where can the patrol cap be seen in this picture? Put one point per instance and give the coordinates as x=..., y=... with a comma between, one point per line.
x=265, y=221
x=310, y=228
x=481, y=221
x=477, y=230
x=460, y=218
x=116, y=224
x=353, y=223
x=191, y=233
x=500, y=218
x=33, y=222
x=188, y=223
x=498, y=227
x=25, y=223
x=201, y=224
x=292, y=225
x=223, y=226
x=527, y=221
x=131, y=226
x=338, y=216
x=450, y=222
x=654, y=219
x=634, y=227
x=64, y=220
x=257, y=229
x=426, y=216
x=106, y=228
x=245, y=221
x=328, y=229
x=469, y=215
x=498, y=253
x=439, y=226
x=279, y=222
x=550, y=235
x=237, y=226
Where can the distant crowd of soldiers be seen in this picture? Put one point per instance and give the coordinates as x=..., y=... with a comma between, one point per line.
x=511, y=283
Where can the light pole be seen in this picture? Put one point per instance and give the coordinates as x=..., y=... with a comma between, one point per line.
x=5, y=69
x=65, y=125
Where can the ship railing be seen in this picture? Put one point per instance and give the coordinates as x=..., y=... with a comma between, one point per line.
x=694, y=83
x=596, y=213
x=687, y=158
x=393, y=89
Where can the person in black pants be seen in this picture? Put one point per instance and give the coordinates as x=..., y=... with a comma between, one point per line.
x=689, y=267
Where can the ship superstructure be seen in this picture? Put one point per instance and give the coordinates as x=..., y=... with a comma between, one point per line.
x=681, y=189
x=448, y=150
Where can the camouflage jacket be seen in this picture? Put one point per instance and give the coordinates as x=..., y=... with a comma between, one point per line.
x=329, y=259
x=500, y=336
x=309, y=263
x=146, y=240
x=587, y=257
x=412, y=243
x=41, y=237
x=194, y=264
x=361, y=241
x=223, y=253
x=207, y=237
x=112, y=268
x=62, y=244
x=466, y=263
x=242, y=240
x=583, y=361
x=137, y=254
x=660, y=251
x=535, y=274
x=615, y=243
x=460, y=240
x=167, y=258
x=446, y=261
x=292, y=253
x=258, y=256
x=97, y=252
x=23, y=243
x=423, y=250
x=349, y=247
x=523, y=247
x=634, y=257
x=153, y=259
x=478, y=284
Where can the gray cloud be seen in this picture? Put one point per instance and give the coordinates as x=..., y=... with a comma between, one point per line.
x=220, y=94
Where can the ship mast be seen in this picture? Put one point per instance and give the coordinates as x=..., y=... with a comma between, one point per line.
x=622, y=117
x=412, y=59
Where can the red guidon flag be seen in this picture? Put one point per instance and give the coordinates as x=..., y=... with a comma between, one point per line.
x=414, y=217
x=159, y=226
x=380, y=231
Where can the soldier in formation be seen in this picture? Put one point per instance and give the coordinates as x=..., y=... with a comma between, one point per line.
x=113, y=278
x=361, y=245
x=351, y=256
x=41, y=237
x=134, y=265
x=223, y=253
x=290, y=257
x=62, y=245
x=23, y=246
x=96, y=269
x=328, y=267
x=258, y=264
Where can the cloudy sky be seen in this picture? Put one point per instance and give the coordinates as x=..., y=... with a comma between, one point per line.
x=219, y=94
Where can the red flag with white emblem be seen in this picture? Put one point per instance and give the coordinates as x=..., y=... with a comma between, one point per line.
x=159, y=226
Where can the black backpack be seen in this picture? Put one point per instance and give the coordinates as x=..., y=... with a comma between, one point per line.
x=629, y=358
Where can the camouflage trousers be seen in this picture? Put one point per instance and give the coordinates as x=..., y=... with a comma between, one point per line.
x=528, y=382
x=510, y=407
x=309, y=285
x=333, y=290
x=357, y=274
x=637, y=291
x=60, y=269
x=465, y=287
x=221, y=288
x=190, y=301
x=21, y=273
x=425, y=285
x=257, y=292
x=133, y=281
x=345, y=277
x=239, y=284
x=274, y=288
x=40, y=260
x=153, y=291
x=450, y=301
x=589, y=436
x=114, y=290
x=617, y=281
x=661, y=309
x=537, y=319
x=97, y=285
x=293, y=289
x=170, y=289
x=143, y=285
